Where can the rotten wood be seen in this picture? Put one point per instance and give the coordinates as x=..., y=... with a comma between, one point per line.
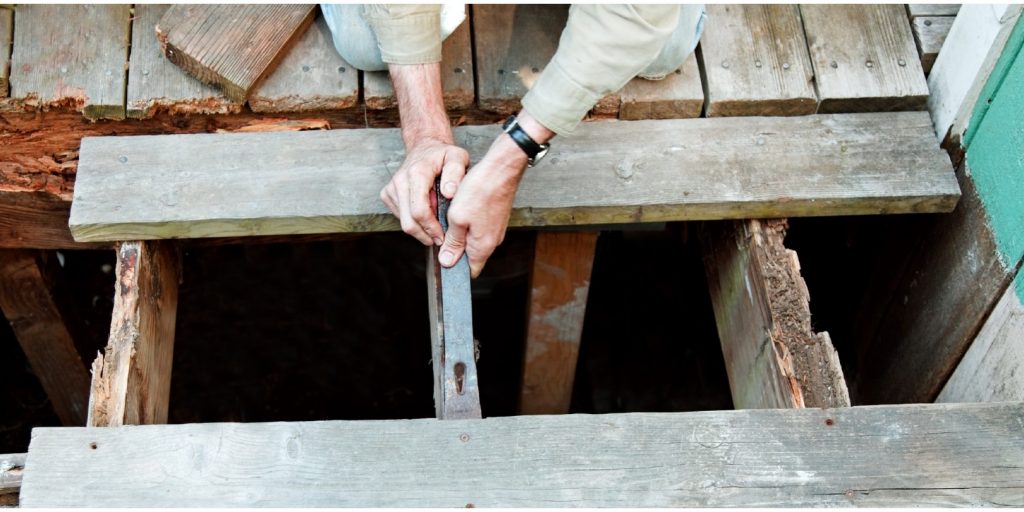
x=231, y=46
x=156, y=85
x=131, y=379
x=311, y=77
x=12, y=468
x=78, y=65
x=559, y=285
x=27, y=280
x=773, y=357
x=864, y=58
x=456, y=384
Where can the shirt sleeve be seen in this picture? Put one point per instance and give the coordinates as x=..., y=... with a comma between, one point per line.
x=601, y=48
x=406, y=34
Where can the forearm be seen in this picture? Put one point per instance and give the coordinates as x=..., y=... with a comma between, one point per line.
x=421, y=103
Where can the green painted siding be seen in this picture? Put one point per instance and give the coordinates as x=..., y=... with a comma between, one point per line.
x=995, y=150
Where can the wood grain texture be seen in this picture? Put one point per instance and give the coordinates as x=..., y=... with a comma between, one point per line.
x=916, y=10
x=453, y=350
x=79, y=65
x=231, y=46
x=914, y=455
x=929, y=34
x=864, y=58
x=37, y=220
x=688, y=169
x=513, y=45
x=311, y=77
x=679, y=95
x=12, y=467
x=772, y=355
x=28, y=302
x=6, y=36
x=951, y=283
x=992, y=370
x=156, y=85
x=131, y=380
x=559, y=286
x=456, y=75
x=756, y=61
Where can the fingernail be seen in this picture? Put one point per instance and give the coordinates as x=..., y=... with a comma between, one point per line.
x=447, y=258
x=438, y=241
x=448, y=188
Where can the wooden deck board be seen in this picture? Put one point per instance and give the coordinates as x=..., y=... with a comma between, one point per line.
x=679, y=95
x=864, y=58
x=156, y=85
x=231, y=46
x=457, y=70
x=506, y=71
x=311, y=77
x=916, y=10
x=929, y=34
x=78, y=65
x=249, y=184
x=912, y=455
x=756, y=61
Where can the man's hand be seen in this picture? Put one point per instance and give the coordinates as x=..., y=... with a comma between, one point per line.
x=478, y=216
x=410, y=193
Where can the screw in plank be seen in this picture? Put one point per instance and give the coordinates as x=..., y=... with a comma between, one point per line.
x=785, y=65
x=725, y=64
x=460, y=70
x=927, y=23
x=834, y=64
x=341, y=69
x=464, y=437
x=757, y=63
x=123, y=159
x=869, y=64
x=305, y=68
x=902, y=62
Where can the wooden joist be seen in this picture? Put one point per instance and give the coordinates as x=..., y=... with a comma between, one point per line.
x=311, y=77
x=231, y=46
x=288, y=183
x=773, y=357
x=71, y=56
x=29, y=304
x=929, y=34
x=456, y=75
x=864, y=58
x=131, y=380
x=453, y=350
x=756, y=61
x=559, y=286
x=912, y=455
x=156, y=85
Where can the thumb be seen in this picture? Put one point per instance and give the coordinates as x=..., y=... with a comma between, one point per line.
x=452, y=172
x=454, y=245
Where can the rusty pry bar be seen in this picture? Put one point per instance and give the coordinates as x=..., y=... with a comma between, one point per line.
x=456, y=395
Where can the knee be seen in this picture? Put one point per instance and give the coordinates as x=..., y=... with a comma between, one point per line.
x=352, y=36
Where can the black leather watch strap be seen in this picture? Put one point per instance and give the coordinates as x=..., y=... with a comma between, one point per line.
x=534, y=152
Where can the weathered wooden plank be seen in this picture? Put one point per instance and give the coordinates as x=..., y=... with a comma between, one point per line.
x=28, y=302
x=977, y=38
x=913, y=455
x=864, y=58
x=156, y=85
x=992, y=370
x=288, y=183
x=231, y=46
x=456, y=384
x=12, y=467
x=756, y=61
x=680, y=95
x=943, y=297
x=916, y=10
x=36, y=220
x=6, y=36
x=78, y=65
x=773, y=357
x=131, y=380
x=456, y=76
x=929, y=34
x=559, y=285
x=311, y=76
x=513, y=45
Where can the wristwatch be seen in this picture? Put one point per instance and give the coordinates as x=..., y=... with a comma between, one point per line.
x=534, y=152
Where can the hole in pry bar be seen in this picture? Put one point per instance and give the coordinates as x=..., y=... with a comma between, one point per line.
x=460, y=377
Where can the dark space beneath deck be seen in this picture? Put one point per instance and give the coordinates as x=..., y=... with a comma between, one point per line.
x=339, y=329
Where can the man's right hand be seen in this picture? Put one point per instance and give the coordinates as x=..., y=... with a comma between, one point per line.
x=410, y=194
